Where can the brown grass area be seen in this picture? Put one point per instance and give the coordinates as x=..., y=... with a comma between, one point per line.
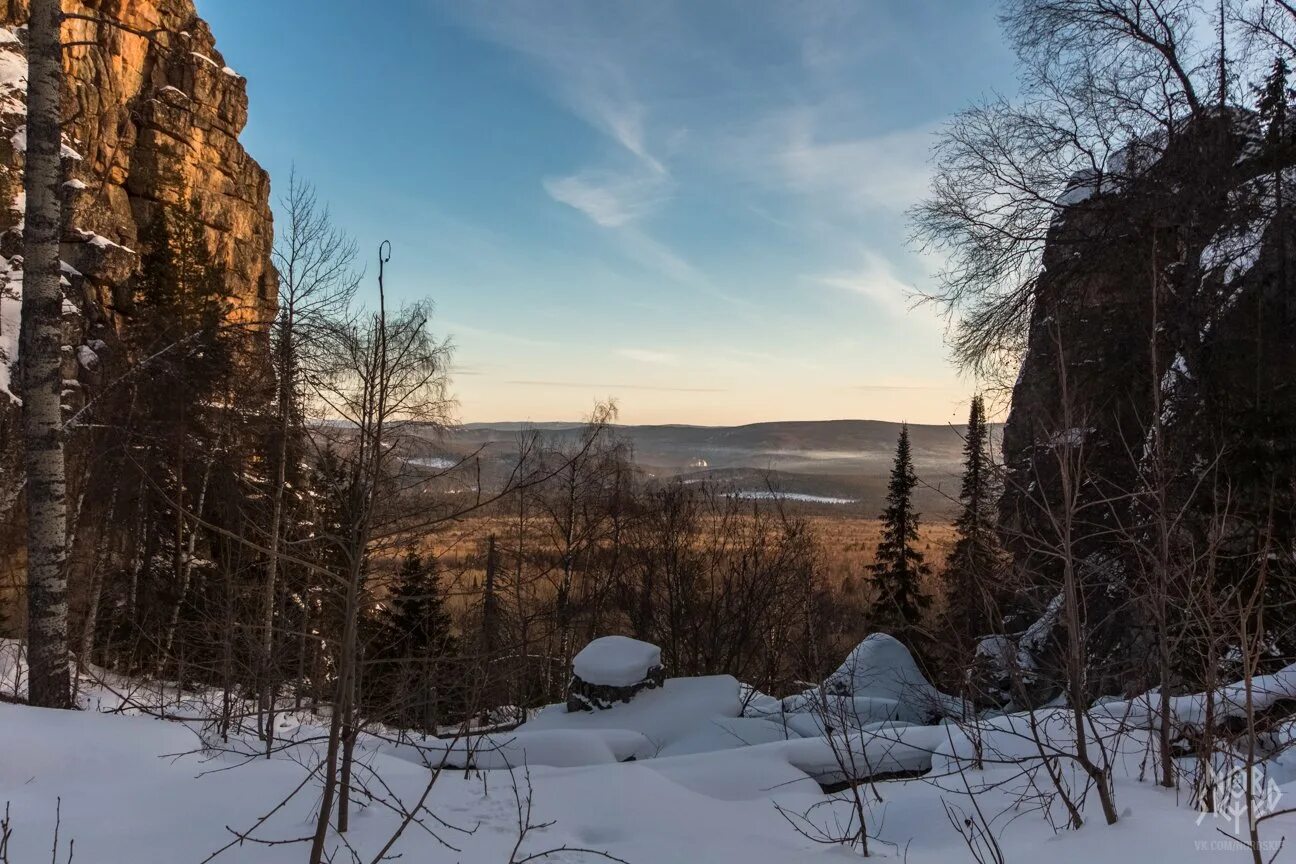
x=847, y=546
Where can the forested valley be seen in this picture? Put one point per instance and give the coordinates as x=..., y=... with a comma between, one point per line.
x=233, y=504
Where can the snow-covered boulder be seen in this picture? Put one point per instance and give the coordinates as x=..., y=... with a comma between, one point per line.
x=613, y=669
x=879, y=682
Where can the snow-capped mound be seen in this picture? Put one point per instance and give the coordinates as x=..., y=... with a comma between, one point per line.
x=879, y=682
x=616, y=661
x=880, y=666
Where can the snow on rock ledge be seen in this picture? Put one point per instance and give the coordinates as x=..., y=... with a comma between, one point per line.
x=613, y=669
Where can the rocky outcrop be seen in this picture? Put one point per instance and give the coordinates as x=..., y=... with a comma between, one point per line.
x=154, y=115
x=584, y=696
x=1187, y=242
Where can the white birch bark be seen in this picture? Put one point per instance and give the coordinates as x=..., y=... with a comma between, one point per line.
x=40, y=345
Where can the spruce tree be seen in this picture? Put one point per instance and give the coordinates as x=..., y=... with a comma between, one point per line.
x=184, y=371
x=899, y=566
x=490, y=601
x=972, y=562
x=413, y=645
x=1272, y=103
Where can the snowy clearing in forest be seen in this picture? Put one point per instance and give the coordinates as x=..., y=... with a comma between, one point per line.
x=700, y=770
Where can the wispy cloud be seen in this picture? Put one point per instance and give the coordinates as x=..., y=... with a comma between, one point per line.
x=596, y=60
x=644, y=355
x=736, y=166
x=889, y=171
x=622, y=119
x=456, y=328
x=608, y=198
x=899, y=388
x=582, y=53
x=875, y=280
x=582, y=385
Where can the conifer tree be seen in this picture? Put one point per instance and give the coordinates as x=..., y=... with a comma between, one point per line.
x=899, y=566
x=414, y=641
x=178, y=389
x=1272, y=103
x=490, y=600
x=972, y=562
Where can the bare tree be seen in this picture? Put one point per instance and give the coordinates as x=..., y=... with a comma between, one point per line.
x=1107, y=84
x=575, y=516
x=316, y=283
x=390, y=372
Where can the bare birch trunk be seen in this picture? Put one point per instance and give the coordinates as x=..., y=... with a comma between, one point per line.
x=41, y=341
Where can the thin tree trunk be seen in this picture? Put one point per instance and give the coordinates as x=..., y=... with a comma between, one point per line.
x=276, y=526
x=227, y=646
x=341, y=709
x=348, y=757
x=490, y=602
x=91, y=622
x=143, y=554
x=41, y=342
x=186, y=566
x=301, y=652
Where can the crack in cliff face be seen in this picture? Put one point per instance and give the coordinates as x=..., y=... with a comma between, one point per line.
x=151, y=129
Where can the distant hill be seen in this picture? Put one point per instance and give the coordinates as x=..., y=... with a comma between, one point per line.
x=805, y=459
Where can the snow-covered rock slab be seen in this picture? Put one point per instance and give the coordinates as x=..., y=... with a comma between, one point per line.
x=879, y=751
x=666, y=715
x=878, y=683
x=554, y=748
x=1230, y=702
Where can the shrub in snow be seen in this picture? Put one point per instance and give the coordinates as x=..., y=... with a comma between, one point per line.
x=613, y=669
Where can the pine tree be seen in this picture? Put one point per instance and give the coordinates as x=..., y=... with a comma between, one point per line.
x=490, y=601
x=1273, y=105
x=974, y=558
x=1272, y=101
x=413, y=646
x=899, y=566
x=183, y=377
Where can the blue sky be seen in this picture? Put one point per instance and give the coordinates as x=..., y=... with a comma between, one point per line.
x=695, y=207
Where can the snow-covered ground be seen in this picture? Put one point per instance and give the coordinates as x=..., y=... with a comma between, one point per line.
x=717, y=773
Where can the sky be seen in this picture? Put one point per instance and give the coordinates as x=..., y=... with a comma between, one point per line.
x=696, y=207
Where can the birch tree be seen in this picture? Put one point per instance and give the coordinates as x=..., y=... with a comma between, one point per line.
x=40, y=347
x=316, y=281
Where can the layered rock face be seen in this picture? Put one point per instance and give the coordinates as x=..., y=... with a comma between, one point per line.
x=153, y=119
x=1161, y=356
